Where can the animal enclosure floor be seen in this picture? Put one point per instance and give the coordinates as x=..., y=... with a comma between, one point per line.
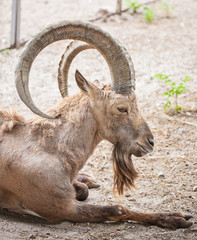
x=168, y=176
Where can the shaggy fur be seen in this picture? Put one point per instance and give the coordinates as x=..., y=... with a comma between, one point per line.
x=124, y=171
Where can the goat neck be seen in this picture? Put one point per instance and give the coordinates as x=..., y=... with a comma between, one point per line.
x=74, y=134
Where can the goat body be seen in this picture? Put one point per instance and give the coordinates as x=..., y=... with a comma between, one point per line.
x=40, y=159
x=45, y=156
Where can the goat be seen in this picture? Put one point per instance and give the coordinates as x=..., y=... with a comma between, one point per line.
x=40, y=159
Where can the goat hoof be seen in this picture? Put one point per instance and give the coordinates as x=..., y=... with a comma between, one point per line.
x=173, y=220
x=93, y=185
x=187, y=217
x=87, y=179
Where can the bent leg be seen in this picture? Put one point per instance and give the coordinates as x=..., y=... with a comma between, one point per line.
x=12, y=202
x=81, y=190
x=9, y=201
x=85, y=178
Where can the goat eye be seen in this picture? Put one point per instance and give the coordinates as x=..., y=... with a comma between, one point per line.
x=122, y=110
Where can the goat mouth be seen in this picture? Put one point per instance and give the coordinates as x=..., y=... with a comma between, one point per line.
x=143, y=149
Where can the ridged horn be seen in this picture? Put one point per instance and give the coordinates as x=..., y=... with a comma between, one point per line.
x=117, y=57
x=70, y=53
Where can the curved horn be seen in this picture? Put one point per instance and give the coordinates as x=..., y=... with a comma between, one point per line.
x=117, y=57
x=70, y=53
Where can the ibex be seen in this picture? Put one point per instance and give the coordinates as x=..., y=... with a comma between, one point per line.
x=40, y=159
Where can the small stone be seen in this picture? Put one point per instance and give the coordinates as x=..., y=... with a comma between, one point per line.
x=195, y=189
x=180, y=130
x=161, y=175
x=31, y=236
x=188, y=113
x=182, y=24
x=132, y=199
x=112, y=235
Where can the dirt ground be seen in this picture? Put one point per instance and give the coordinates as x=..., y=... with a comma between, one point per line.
x=168, y=176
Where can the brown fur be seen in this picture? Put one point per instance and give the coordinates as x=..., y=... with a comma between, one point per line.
x=40, y=159
x=8, y=120
x=124, y=171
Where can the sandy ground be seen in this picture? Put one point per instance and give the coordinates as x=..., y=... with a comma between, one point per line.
x=168, y=45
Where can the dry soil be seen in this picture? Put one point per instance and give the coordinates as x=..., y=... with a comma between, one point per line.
x=168, y=176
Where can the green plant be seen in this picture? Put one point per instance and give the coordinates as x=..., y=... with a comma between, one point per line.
x=149, y=14
x=133, y=4
x=6, y=50
x=167, y=9
x=176, y=89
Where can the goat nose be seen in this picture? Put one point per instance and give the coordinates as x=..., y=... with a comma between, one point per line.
x=150, y=140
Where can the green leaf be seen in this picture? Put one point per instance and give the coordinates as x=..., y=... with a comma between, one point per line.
x=167, y=81
x=5, y=50
x=168, y=103
x=186, y=79
x=171, y=91
x=149, y=14
x=162, y=77
x=165, y=94
x=159, y=75
x=165, y=4
x=133, y=4
x=167, y=8
x=178, y=108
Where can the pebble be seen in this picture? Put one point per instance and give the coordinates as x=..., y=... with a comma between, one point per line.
x=31, y=236
x=188, y=113
x=161, y=175
x=180, y=130
x=195, y=189
x=112, y=235
x=182, y=24
x=132, y=199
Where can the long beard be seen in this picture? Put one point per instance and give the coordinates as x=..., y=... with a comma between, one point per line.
x=124, y=171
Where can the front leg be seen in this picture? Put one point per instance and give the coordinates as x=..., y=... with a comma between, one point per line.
x=95, y=213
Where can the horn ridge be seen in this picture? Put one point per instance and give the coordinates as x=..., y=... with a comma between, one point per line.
x=118, y=59
x=70, y=53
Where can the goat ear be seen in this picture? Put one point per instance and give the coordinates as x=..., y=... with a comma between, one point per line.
x=86, y=86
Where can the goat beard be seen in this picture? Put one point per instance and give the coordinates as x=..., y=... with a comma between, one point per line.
x=124, y=171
